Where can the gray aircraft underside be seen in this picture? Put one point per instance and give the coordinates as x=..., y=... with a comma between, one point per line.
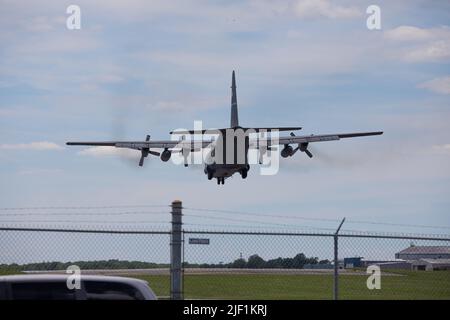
x=221, y=168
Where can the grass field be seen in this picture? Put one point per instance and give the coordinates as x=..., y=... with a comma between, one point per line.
x=404, y=285
x=408, y=285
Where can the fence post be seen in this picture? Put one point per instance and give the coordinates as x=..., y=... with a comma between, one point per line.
x=336, y=269
x=176, y=277
x=336, y=263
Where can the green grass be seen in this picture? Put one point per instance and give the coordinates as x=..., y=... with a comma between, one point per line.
x=6, y=272
x=409, y=285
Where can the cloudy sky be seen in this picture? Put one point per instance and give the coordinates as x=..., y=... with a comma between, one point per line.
x=147, y=67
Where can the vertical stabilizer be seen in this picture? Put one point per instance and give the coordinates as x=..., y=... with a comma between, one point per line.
x=234, y=111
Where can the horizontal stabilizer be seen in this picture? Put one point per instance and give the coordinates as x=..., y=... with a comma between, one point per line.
x=106, y=143
x=245, y=129
x=274, y=128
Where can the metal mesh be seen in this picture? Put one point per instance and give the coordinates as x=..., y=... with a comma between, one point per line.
x=144, y=256
x=241, y=265
x=246, y=266
x=401, y=276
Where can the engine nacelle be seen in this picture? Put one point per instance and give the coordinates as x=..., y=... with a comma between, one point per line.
x=287, y=151
x=165, y=155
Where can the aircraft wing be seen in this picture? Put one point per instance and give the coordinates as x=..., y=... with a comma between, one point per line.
x=303, y=141
x=139, y=145
x=324, y=137
x=163, y=144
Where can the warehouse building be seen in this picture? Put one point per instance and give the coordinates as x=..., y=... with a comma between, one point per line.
x=424, y=252
x=359, y=262
x=394, y=265
x=431, y=264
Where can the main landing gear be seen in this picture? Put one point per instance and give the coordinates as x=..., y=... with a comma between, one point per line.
x=244, y=172
x=221, y=180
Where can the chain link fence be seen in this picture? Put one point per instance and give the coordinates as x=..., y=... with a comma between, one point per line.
x=240, y=264
x=143, y=255
x=423, y=275
x=249, y=266
x=258, y=266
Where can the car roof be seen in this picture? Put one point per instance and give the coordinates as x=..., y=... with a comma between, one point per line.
x=63, y=277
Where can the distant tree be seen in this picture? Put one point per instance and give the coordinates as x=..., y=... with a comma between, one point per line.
x=287, y=263
x=275, y=263
x=255, y=262
x=239, y=263
x=326, y=261
x=299, y=261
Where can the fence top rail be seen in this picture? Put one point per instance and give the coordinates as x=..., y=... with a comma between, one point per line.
x=254, y=233
x=261, y=233
x=405, y=237
x=318, y=234
x=86, y=231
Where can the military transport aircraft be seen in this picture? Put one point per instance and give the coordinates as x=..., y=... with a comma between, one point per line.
x=220, y=165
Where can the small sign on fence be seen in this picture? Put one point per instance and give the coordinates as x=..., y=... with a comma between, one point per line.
x=198, y=241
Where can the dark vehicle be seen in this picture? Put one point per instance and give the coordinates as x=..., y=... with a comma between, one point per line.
x=54, y=287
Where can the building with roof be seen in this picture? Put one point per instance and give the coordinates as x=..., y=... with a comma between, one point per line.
x=424, y=252
x=431, y=264
x=394, y=265
x=359, y=262
x=353, y=262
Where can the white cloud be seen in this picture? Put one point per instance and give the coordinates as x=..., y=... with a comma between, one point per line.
x=408, y=33
x=324, y=8
x=435, y=51
x=420, y=44
x=438, y=85
x=38, y=146
x=103, y=151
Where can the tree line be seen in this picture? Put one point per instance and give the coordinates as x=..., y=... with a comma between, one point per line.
x=256, y=262
x=299, y=261
x=86, y=265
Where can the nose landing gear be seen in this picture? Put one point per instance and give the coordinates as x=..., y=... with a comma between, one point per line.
x=221, y=180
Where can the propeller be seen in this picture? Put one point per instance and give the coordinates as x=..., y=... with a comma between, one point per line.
x=146, y=151
x=302, y=146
